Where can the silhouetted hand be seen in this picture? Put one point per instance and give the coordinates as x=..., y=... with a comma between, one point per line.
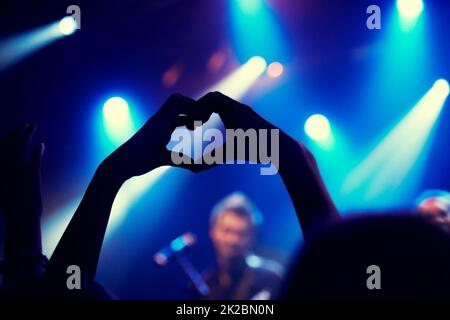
x=146, y=150
x=297, y=165
x=20, y=198
x=235, y=116
x=20, y=172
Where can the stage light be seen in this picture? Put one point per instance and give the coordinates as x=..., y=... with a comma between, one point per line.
x=239, y=82
x=389, y=173
x=442, y=88
x=18, y=47
x=67, y=26
x=254, y=261
x=116, y=109
x=256, y=65
x=255, y=30
x=250, y=6
x=275, y=70
x=117, y=119
x=410, y=9
x=317, y=127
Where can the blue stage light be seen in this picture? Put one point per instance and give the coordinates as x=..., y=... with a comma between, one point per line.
x=317, y=127
x=67, y=26
x=117, y=120
x=410, y=8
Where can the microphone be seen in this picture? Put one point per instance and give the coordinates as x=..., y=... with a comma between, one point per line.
x=175, y=250
x=163, y=256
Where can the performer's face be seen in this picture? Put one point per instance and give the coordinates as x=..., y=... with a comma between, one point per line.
x=232, y=235
x=435, y=214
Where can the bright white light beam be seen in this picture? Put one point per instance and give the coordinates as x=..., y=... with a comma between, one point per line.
x=386, y=167
x=17, y=48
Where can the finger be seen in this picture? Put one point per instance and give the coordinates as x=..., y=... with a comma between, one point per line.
x=244, y=109
x=27, y=135
x=24, y=141
x=236, y=104
x=232, y=113
x=225, y=98
x=178, y=104
x=176, y=110
x=36, y=158
x=184, y=120
x=185, y=109
x=188, y=121
x=175, y=105
x=221, y=104
x=208, y=104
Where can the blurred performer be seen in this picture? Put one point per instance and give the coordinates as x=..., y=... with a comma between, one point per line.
x=239, y=274
x=435, y=206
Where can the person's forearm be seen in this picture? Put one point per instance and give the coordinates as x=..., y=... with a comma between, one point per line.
x=22, y=248
x=82, y=241
x=301, y=176
x=22, y=234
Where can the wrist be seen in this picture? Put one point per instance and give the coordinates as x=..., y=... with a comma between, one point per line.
x=118, y=168
x=22, y=235
x=109, y=171
x=292, y=152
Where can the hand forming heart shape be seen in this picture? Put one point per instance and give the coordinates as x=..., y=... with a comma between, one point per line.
x=147, y=150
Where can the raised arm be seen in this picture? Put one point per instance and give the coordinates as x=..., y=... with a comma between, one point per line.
x=301, y=176
x=297, y=166
x=20, y=199
x=82, y=240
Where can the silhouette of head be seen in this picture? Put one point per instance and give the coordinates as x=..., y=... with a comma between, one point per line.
x=434, y=205
x=411, y=255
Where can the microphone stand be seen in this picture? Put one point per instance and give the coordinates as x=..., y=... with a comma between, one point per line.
x=192, y=273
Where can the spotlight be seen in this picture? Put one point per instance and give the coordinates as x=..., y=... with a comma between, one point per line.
x=410, y=8
x=256, y=65
x=67, y=26
x=241, y=80
x=275, y=70
x=392, y=169
x=250, y=6
x=442, y=88
x=115, y=109
x=317, y=127
x=117, y=120
x=18, y=47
